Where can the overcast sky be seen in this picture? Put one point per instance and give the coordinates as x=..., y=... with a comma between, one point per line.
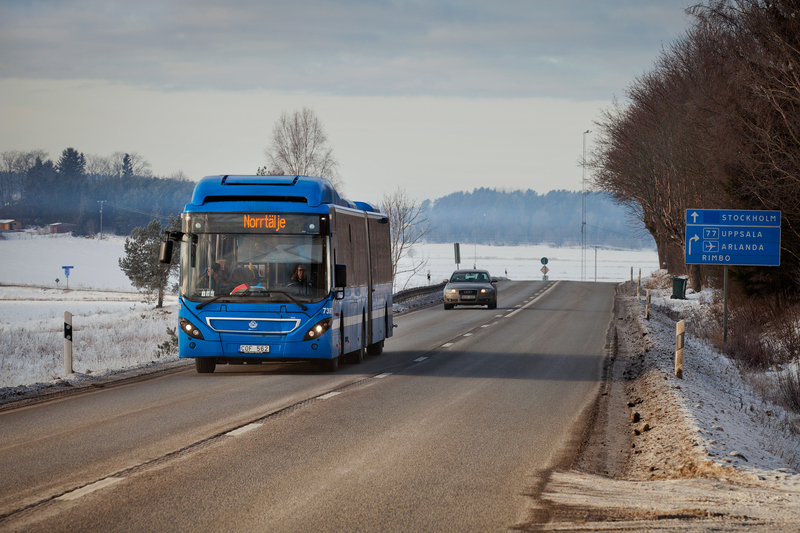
x=436, y=96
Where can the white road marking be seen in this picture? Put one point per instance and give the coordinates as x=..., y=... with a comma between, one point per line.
x=329, y=395
x=88, y=489
x=419, y=359
x=509, y=315
x=467, y=334
x=447, y=345
x=243, y=429
x=381, y=376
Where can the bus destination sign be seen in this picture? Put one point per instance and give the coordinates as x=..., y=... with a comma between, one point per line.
x=733, y=237
x=251, y=223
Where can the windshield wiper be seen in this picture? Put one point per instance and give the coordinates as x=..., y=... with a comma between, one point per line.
x=212, y=300
x=253, y=291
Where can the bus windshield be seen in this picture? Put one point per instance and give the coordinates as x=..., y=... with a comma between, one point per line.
x=254, y=267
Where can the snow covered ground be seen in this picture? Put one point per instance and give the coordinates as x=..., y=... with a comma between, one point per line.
x=729, y=421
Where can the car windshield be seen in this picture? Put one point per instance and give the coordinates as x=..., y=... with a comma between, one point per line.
x=459, y=277
x=248, y=267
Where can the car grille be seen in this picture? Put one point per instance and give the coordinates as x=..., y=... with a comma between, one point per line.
x=471, y=292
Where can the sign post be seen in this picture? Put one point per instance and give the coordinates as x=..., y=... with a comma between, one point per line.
x=457, y=249
x=732, y=237
x=66, y=273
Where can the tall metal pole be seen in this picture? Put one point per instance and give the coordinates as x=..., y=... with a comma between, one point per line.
x=583, y=211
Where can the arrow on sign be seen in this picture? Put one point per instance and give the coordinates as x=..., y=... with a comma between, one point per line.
x=694, y=217
x=695, y=238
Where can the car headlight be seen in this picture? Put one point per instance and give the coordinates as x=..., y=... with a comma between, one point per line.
x=453, y=291
x=318, y=329
x=190, y=329
x=484, y=291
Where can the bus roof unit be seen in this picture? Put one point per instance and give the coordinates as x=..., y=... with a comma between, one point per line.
x=312, y=191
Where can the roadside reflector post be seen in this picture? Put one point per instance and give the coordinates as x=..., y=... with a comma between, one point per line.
x=631, y=274
x=680, y=331
x=639, y=286
x=67, y=343
x=647, y=306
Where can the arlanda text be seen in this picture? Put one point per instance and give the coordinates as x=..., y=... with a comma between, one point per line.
x=275, y=222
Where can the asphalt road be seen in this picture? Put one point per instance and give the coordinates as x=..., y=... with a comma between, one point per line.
x=448, y=429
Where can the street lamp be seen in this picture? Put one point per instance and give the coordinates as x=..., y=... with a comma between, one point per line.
x=583, y=211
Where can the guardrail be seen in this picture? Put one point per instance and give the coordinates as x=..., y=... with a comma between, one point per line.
x=410, y=294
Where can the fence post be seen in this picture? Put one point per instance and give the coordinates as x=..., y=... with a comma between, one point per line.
x=680, y=330
x=67, y=343
x=647, y=306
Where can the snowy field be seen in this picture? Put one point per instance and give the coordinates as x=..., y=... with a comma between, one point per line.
x=525, y=263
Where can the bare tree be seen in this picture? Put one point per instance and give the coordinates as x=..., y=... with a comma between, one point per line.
x=139, y=166
x=98, y=165
x=299, y=146
x=408, y=222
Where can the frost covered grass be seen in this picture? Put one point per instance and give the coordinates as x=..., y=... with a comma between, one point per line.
x=110, y=333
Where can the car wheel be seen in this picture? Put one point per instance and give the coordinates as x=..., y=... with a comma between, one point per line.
x=447, y=307
x=493, y=305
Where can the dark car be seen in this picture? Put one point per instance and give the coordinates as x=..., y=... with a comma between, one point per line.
x=470, y=287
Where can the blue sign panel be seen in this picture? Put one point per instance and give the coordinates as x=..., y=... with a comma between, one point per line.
x=731, y=237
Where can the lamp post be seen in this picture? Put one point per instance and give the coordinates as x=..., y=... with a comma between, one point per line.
x=583, y=211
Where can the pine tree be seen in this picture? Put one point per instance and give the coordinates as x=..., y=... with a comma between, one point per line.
x=141, y=262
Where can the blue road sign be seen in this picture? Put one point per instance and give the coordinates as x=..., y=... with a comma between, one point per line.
x=733, y=237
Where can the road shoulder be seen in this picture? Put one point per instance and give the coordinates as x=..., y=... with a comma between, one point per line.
x=641, y=466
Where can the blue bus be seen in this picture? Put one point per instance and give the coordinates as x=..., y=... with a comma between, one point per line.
x=281, y=268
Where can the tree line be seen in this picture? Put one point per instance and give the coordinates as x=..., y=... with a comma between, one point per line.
x=38, y=191
x=714, y=124
x=491, y=216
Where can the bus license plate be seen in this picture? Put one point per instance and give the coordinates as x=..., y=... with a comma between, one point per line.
x=253, y=348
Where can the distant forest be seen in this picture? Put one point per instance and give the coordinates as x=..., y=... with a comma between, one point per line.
x=36, y=191
x=490, y=216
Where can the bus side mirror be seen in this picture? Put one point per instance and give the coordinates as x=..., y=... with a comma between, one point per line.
x=340, y=276
x=166, y=252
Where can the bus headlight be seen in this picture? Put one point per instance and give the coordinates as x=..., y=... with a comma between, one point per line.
x=190, y=329
x=318, y=329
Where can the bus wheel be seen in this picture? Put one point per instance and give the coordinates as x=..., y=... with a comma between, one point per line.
x=330, y=365
x=375, y=349
x=205, y=365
